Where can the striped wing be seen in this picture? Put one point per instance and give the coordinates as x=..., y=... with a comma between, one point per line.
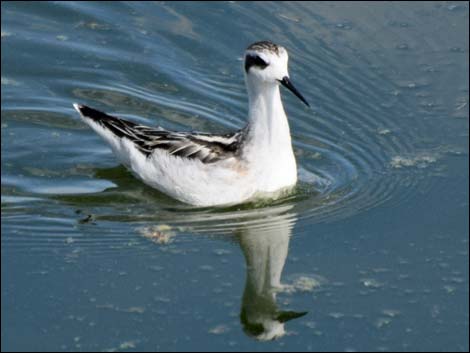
x=208, y=148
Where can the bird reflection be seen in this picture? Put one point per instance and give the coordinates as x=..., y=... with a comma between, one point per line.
x=265, y=251
x=264, y=245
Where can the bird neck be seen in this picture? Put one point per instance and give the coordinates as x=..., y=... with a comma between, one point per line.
x=268, y=128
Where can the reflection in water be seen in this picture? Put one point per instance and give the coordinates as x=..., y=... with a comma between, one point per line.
x=262, y=232
x=265, y=253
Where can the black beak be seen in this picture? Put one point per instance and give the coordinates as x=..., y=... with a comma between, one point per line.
x=286, y=82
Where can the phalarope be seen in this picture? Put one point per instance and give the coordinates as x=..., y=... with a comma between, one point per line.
x=215, y=169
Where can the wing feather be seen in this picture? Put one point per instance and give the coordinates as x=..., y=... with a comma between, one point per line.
x=208, y=148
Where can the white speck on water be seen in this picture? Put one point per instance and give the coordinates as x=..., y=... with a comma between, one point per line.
x=306, y=284
x=336, y=315
x=453, y=7
x=7, y=81
x=219, y=329
x=435, y=311
x=371, y=283
x=382, y=322
x=420, y=161
x=464, y=104
x=62, y=37
x=69, y=240
x=450, y=289
x=123, y=346
x=403, y=46
x=159, y=234
x=345, y=26
x=303, y=283
x=391, y=312
x=134, y=310
x=384, y=131
x=381, y=270
x=127, y=345
x=290, y=18
x=221, y=252
x=161, y=299
x=456, y=280
x=310, y=324
x=206, y=268
x=457, y=50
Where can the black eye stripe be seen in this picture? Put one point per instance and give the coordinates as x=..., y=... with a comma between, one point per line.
x=254, y=60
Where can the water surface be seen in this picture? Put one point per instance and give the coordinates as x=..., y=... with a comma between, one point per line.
x=369, y=253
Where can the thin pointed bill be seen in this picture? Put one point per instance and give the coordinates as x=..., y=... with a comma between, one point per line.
x=286, y=82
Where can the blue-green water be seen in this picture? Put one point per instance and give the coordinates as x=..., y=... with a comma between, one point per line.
x=373, y=258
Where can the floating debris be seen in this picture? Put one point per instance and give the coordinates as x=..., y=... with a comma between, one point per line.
x=344, y=25
x=134, y=310
x=162, y=299
x=402, y=46
x=371, y=283
x=160, y=234
x=93, y=25
x=421, y=161
x=218, y=330
x=293, y=19
x=463, y=105
x=8, y=81
x=69, y=240
x=336, y=315
x=123, y=346
x=391, y=312
x=384, y=131
x=449, y=289
x=206, y=268
x=303, y=283
x=127, y=345
x=310, y=324
x=382, y=321
x=221, y=252
x=306, y=284
x=156, y=268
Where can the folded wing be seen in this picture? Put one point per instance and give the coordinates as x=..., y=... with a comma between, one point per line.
x=208, y=148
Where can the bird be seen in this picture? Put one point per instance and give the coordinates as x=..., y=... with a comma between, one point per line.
x=208, y=169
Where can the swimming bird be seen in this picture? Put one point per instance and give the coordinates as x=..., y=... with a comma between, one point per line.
x=206, y=169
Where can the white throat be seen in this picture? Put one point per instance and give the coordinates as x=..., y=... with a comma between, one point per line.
x=268, y=125
x=268, y=146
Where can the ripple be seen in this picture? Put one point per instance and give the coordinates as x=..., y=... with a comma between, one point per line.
x=353, y=152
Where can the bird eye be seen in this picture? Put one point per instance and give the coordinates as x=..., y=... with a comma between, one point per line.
x=254, y=60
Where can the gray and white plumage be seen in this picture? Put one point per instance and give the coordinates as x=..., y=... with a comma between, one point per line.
x=215, y=169
x=208, y=148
